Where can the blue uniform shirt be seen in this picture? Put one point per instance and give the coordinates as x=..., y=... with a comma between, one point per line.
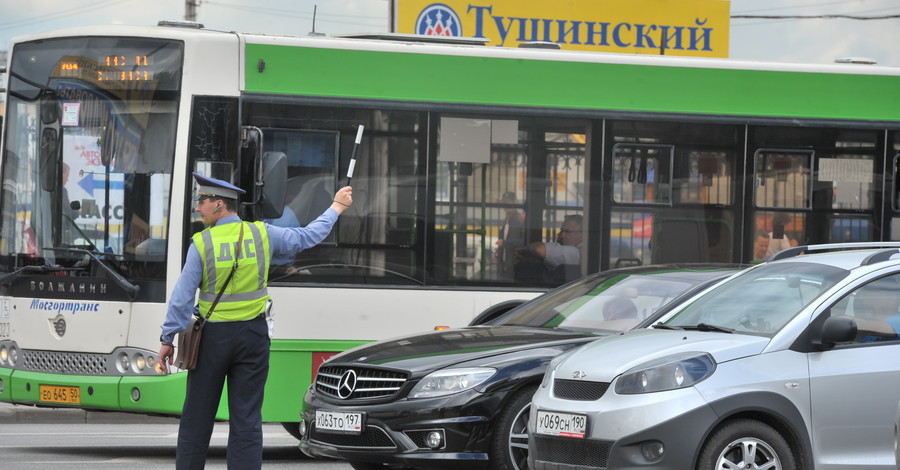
x=282, y=240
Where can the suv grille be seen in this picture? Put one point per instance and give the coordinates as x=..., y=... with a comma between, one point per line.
x=579, y=389
x=349, y=383
x=567, y=451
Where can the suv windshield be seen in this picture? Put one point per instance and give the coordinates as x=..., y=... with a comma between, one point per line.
x=88, y=153
x=760, y=301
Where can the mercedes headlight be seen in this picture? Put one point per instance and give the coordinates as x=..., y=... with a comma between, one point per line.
x=667, y=373
x=450, y=381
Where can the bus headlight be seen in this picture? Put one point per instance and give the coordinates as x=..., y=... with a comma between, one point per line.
x=4, y=355
x=139, y=363
x=13, y=356
x=123, y=362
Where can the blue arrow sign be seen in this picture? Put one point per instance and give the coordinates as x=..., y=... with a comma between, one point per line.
x=89, y=184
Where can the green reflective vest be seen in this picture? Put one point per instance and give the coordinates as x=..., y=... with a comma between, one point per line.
x=246, y=294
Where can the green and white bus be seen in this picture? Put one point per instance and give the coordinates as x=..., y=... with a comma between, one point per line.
x=666, y=159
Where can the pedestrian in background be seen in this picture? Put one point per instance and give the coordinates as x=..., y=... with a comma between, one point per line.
x=511, y=236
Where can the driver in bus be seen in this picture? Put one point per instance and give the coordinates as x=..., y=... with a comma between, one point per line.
x=235, y=342
x=561, y=259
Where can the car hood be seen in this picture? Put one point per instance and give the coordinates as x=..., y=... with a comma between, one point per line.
x=438, y=349
x=606, y=359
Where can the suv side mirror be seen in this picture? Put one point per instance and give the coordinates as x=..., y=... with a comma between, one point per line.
x=836, y=329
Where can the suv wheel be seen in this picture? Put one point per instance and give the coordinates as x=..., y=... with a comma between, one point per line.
x=746, y=443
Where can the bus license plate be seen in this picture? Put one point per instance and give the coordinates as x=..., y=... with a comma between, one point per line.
x=60, y=394
x=338, y=421
x=561, y=424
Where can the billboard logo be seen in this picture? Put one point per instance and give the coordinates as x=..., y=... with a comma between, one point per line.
x=438, y=20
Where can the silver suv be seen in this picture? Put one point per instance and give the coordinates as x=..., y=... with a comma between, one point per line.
x=792, y=364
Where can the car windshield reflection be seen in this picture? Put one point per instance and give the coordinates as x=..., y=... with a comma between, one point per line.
x=760, y=302
x=603, y=303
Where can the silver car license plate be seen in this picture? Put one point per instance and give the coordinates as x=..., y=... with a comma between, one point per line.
x=553, y=423
x=339, y=421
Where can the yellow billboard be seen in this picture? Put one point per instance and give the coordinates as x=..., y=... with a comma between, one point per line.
x=671, y=27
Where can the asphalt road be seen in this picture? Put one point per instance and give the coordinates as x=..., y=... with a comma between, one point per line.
x=34, y=438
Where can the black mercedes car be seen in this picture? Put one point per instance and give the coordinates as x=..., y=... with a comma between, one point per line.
x=459, y=398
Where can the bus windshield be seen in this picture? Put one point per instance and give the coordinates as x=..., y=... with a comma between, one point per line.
x=89, y=149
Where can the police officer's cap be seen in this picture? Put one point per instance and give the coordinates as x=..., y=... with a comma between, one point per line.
x=211, y=187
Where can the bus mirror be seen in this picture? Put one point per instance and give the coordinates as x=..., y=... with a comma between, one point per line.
x=274, y=183
x=49, y=153
x=49, y=111
x=108, y=142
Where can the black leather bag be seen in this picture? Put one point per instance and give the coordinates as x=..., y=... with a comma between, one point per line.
x=189, y=344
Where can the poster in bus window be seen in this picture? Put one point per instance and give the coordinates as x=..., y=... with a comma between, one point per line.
x=85, y=182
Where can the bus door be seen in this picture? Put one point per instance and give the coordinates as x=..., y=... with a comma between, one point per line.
x=504, y=185
x=673, y=192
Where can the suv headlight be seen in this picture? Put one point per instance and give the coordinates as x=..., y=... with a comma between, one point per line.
x=450, y=381
x=667, y=373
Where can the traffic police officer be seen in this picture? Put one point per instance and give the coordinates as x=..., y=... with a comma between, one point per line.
x=235, y=342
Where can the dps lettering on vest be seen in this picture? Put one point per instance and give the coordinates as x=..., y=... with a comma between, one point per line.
x=246, y=295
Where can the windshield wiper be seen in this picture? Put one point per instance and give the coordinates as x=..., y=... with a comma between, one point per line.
x=663, y=326
x=81, y=232
x=32, y=268
x=129, y=288
x=708, y=327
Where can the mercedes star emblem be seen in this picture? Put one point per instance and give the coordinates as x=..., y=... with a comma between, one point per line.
x=347, y=384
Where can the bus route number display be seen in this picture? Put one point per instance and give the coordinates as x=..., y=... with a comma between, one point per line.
x=124, y=68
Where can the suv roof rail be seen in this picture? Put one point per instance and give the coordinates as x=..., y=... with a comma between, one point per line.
x=794, y=251
x=879, y=257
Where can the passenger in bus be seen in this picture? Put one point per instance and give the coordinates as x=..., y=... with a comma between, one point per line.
x=561, y=259
x=511, y=236
x=760, y=246
x=70, y=211
x=778, y=239
x=235, y=343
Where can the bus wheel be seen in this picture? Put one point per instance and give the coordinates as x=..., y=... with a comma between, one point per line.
x=746, y=443
x=509, y=442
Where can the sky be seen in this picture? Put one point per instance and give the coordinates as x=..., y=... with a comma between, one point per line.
x=782, y=40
